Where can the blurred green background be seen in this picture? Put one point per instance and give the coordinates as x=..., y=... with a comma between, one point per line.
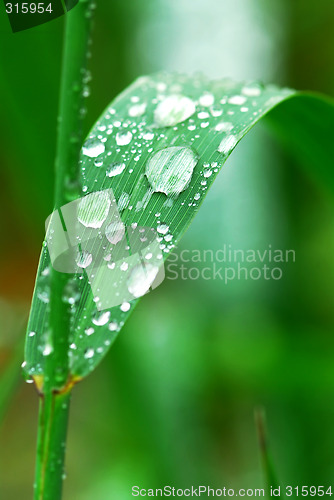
x=173, y=402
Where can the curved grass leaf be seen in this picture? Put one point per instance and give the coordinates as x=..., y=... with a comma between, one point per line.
x=158, y=147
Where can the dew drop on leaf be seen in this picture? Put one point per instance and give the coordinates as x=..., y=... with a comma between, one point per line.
x=115, y=169
x=123, y=138
x=84, y=259
x=93, y=148
x=170, y=170
x=93, y=209
x=115, y=232
x=162, y=228
x=227, y=144
x=172, y=110
x=89, y=353
x=141, y=278
x=101, y=318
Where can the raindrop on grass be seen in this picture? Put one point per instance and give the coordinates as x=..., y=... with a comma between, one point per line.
x=125, y=306
x=93, y=148
x=163, y=229
x=84, y=259
x=93, y=209
x=173, y=109
x=115, y=169
x=89, y=353
x=123, y=138
x=227, y=144
x=141, y=278
x=101, y=318
x=115, y=232
x=170, y=170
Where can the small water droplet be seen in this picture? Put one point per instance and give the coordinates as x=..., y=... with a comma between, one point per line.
x=93, y=148
x=227, y=144
x=101, y=318
x=162, y=228
x=113, y=326
x=224, y=127
x=173, y=110
x=141, y=278
x=89, y=331
x=89, y=353
x=123, y=138
x=148, y=136
x=115, y=169
x=84, y=259
x=207, y=99
x=137, y=110
x=125, y=306
x=115, y=232
x=237, y=99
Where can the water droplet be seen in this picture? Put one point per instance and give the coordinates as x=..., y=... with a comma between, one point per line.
x=89, y=353
x=197, y=196
x=173, y=110
x=125, y=306
x=84, y=259
x=101, y=318
x=163, y=229
x=137, y=110
x=48, y=349
x=237, y=99
x=170, y=170
x=115, y=169
x=141, y=278
x=93, y=148
x=123, y=201
x=32, y=334
x=206, y=99
x=252, y=90
x=123, y=138
x=227, y=144
x=224, y=127
x=89, y=331
x=124, y=266
x=207, y=172
x=93, y=209
x=113, y=326
x=148, y=136
x=115, y=232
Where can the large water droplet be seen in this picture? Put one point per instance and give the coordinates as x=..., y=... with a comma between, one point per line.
x=141, y=278
x=170, y=170
x=93, y=209
x=173, y=110
x=93, y=148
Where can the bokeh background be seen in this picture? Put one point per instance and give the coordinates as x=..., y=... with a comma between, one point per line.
x=173, y=402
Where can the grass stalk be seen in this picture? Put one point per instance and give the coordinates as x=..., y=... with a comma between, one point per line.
x=55, y=386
